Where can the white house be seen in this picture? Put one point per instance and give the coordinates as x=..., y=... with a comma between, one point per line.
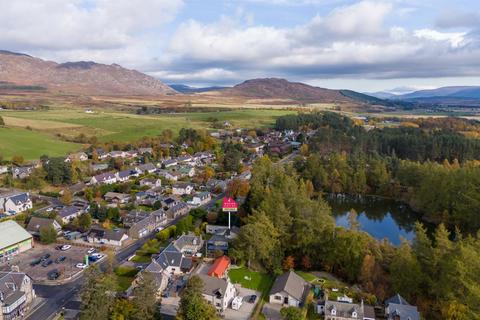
x=104, y=178
x=3, y=169
x=199, y=199
x=79, y=156
x=288, y=289
x=218, y=292
x=13, y=203
x=182, y=189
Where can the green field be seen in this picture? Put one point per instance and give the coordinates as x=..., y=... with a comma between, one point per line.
x=32, y=144
x=108, y=125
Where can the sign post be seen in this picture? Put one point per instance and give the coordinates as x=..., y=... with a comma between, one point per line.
x=229, y=205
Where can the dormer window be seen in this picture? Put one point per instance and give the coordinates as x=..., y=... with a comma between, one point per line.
x=354, y=314
x=334, y=312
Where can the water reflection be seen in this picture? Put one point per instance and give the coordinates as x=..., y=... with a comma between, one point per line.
x=381, y=218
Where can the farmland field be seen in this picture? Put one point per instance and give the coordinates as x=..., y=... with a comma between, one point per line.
x=32, y=144
x=107, y=125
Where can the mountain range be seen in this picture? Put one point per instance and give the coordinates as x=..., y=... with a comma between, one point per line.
x=24, y=72
x=462, y=92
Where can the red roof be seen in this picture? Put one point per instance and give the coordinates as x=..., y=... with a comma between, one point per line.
x=219, y=267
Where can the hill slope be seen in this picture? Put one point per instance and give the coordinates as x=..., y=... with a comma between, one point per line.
x=456, y=91
x=274, y=88
x=83, y=77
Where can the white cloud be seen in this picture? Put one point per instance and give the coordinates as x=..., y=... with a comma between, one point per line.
x=67, y=28
x=454, y=38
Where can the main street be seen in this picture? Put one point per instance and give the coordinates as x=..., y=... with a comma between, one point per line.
x=57, y=296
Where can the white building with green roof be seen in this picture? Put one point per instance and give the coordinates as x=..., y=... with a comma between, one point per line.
x=13, y=239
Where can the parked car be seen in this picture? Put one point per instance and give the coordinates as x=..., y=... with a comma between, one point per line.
x=60, y=259
x=46, y=263
x=53, y=275
x=35, y=262
x=91, y=250
x=252, y=298
x=65, y=247
x=45, y=257
x=81, y=266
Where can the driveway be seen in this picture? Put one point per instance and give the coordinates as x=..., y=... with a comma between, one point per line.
x=271, y=311
x=246, y=309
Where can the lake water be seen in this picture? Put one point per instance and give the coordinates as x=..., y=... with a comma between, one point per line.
x=381, y=218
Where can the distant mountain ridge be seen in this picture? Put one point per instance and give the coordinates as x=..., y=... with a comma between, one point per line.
x=81, y=77
x=276, y=88
x=453, y=91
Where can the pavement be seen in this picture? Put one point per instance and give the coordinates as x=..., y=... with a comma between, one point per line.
x=246, y=309
x=271, y=311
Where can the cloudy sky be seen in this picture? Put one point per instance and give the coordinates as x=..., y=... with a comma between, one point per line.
x=368, y=45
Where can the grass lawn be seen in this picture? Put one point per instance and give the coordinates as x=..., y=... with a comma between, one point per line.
x=32, y=144
x=141, y=259
x=125, y=276
x=257, y=281
x=306, y=276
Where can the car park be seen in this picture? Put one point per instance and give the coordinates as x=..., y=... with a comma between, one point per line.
x=60, y=259
x=53, y=275
x=46, y=263
x=35, y=262
x=45, y=257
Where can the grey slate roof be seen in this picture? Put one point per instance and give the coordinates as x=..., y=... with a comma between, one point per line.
x=343, y=309
x=10, y=293
x=20, y=198
x=398, y=307
x=36, y=223
x=291, y=283
x=213, y=286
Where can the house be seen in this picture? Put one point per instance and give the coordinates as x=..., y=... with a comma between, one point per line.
x=186, y=171
x=150, y=182
x=182, y=188
x=288, y=289
x=74, y=210
x=12, y=203
x=14, y=240
x=104, y=178
x=147, y=168
x=172, y=175
x=254, y=147
x=16, y=294
x=245, y=176
x=218, y=292
x=117, y=154
x=341, y=310
x=131, y=154
x=169, y=202
x=219, y=267
x=101, y=154
x=397, y=308
x=200, y=199
x=279, y=148
x=79, y=156
x=169, y=163
x=215, y=184
x=141, y=224
x=37, y=223
x=179, y=209
x=188, y=244
x=3, y=169
x=115, y=237
x=145, y=150
x=22, y=172
x=217, y=243
x=229, y=234
x=115, y=197
x=99, y=167
x=125, y=175
x=172, y=262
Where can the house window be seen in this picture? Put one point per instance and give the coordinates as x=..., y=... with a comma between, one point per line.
x=218, y=304
x=278, y=298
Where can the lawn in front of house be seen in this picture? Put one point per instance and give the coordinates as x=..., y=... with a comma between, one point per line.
x=251, y=279
x=125, y=276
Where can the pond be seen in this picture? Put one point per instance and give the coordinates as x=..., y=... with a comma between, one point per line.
x=381, y=218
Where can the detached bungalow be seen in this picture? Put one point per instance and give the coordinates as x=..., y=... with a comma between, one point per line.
x=115, y=197
x=36, y=223
x=115, y=237
x=288, y=289
x=147, y=168
x=201, y=198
